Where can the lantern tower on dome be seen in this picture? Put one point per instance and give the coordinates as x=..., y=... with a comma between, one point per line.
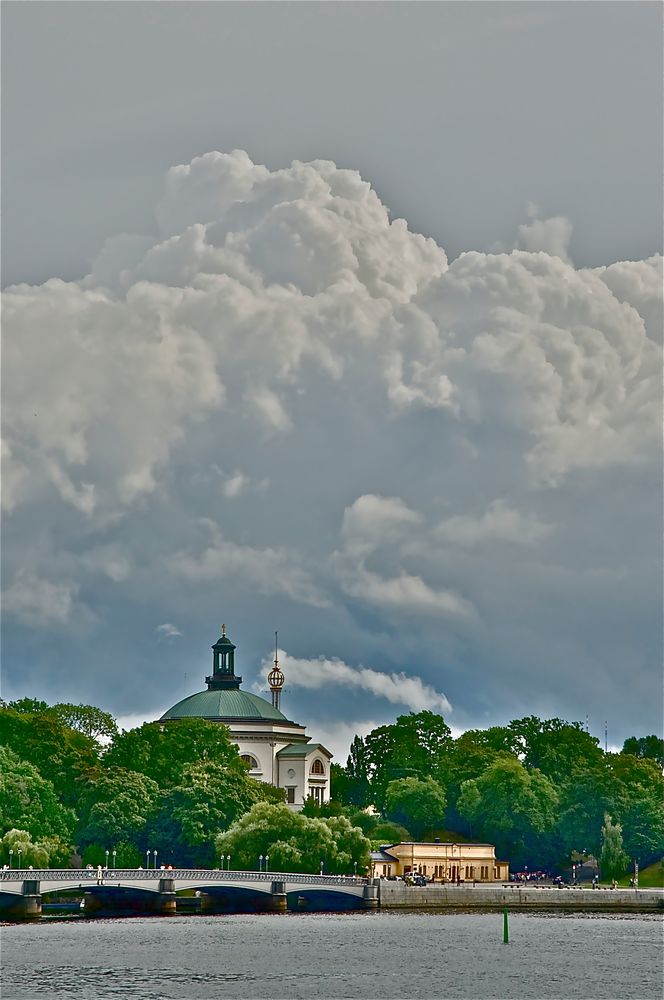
x=275, y=678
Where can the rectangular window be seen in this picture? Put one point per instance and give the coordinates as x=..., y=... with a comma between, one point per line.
x=290, y=795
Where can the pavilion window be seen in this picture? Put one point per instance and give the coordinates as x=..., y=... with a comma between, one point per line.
x=290, y=795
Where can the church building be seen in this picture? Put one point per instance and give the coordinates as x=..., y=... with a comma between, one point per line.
x=277, y=750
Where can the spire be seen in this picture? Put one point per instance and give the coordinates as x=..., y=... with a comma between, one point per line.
x=223, y=665
x=275, y=678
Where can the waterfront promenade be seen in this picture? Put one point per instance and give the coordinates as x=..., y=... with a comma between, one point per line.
x=164, y=891
x=517, y=896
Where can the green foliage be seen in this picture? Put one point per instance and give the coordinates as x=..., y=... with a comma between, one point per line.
x=416, y=746
x=509, y=805
x=26, y=705
x=416, y=803
x=388, y=833
x=294, y=842
x=325, y=809
x=613, y=860
x=163, y=751
x=352, y=785
x=638, y=797
x=87, y=719
x=60, y=754
x=29, y=802
x=115, y=805
x=43, y=853
x=647, y=747
x=554, y=747
x=584, y=797
x=211, y=797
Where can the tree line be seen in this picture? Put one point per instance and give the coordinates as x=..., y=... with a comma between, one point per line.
x=542, y=790
x=72, y=785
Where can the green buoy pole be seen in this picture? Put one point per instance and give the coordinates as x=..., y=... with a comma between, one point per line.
x=506, y=936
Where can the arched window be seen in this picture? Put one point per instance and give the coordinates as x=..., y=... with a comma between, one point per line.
x=251, y=761
x=317, y=767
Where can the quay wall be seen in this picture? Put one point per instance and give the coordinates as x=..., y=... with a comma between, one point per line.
x=397, y=895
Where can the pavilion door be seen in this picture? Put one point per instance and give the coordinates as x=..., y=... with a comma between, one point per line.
x=453, y=873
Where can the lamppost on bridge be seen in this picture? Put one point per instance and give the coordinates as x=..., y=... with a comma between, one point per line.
x=321, y=867
x=228, y=862
x=115, y=854
x=267, y=858
x=20, y=852
x=147, y=858
x=11, y=857
x=355, y=869
x=107, y=854
x=155, y=858
x=260, y=862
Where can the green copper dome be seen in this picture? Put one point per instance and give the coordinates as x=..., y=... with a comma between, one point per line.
x=223, y=705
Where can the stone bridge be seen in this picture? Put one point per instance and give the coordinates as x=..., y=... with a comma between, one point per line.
x=156, y=891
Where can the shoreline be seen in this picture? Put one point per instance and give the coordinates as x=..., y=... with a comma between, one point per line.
x=517, y=895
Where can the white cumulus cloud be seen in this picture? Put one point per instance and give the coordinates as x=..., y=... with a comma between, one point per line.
x=397, y=688
x=290, y=403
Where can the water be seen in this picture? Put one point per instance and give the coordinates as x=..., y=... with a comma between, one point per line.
x=384, y=955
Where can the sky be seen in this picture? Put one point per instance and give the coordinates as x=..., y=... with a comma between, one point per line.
x=342, y=321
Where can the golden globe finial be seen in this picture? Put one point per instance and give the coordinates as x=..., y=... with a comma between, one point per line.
x=275, y=678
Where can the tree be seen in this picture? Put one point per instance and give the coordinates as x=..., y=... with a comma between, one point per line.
x=469, y=756
x=60, y=754
x=116, y=805
x=638, y=804
x=511, y=807
x=584, y=797
x=26, y=705
x=415, y=746
x=28, y=801
x=46, y=852
x=613, y=860
x=210, y=798
x=648, y=747
x=416, y=803
x=554, y=747
x=294, y=842
x=87, y=719
x=163, y=751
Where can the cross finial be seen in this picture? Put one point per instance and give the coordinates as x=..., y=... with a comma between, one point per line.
x=223, y=630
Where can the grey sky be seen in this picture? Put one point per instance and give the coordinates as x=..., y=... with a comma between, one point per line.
x=433, y=465
x=458, y=113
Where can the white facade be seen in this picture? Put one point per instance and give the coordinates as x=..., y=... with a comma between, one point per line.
x=278, y=751
x=281, y=755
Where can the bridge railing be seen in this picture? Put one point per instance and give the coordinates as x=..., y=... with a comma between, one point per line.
x=198, y=874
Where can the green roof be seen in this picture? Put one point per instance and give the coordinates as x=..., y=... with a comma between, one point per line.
x=301, y=749
x=223, y=705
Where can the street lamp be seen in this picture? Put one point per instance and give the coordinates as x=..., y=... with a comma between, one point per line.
x=11, y=857
x=355, y=869
x=321, y=867
x=115, y=854
x=147, y=858
x=228, y=862
x=107, y=854
x=155, y=858
x=260, y=862
x=267, y=858
x=20, y=852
